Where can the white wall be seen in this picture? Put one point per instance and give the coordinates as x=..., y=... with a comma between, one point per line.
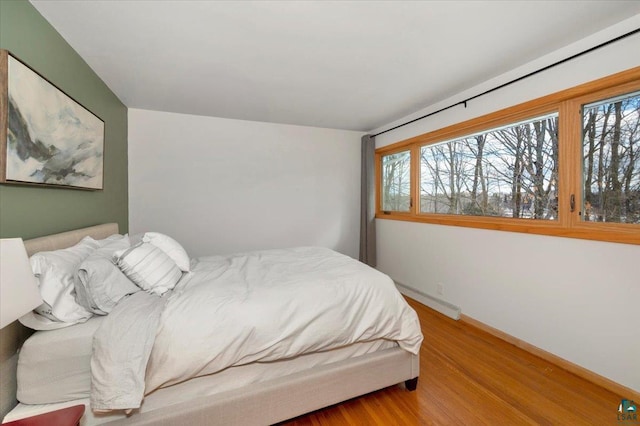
x=222, y=186
x=575, y=298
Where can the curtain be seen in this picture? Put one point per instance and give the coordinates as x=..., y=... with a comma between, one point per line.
x=367, y=203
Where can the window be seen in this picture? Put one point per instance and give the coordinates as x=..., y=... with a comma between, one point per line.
x=567, y=164
x=505, y=172
x=396, y=182
x=611, y=166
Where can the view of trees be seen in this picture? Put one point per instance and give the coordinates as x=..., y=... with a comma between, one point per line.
x=513, y=171
x=507, y=172
x=611, y=145
x=396, y=183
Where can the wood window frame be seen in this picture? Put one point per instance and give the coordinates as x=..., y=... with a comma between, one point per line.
x=568, y=104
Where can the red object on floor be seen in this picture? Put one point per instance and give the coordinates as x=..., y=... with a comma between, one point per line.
x=69, y=416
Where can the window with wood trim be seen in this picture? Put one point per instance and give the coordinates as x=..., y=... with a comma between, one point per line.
x=396, y=182
x=567, y=164
x=510, y=171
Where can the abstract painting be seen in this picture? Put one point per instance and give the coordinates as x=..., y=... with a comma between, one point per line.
x=46, y=137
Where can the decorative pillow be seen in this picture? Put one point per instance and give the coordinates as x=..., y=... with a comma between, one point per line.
x=56, y=272
x=100, y=283
x=149, y=267
x=171, y=247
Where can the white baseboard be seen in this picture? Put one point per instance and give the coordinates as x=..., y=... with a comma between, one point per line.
x=442, y=306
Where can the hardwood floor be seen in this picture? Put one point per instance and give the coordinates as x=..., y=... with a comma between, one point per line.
x=469, y=377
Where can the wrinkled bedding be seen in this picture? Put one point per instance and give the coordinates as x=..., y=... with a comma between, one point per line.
x=234, y=310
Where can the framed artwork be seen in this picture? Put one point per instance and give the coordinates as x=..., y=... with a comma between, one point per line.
x=46, y=137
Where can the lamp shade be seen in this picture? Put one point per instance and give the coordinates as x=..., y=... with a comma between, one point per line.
x=19, y=292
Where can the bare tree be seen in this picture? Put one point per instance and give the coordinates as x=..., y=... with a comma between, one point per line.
x=471, y=175
x=395, y=181
x=477, y=149
x=611, y=166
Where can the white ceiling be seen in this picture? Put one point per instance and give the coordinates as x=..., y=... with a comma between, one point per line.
x=340, y=64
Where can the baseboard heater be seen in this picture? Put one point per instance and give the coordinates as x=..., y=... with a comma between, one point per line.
x=445, y=308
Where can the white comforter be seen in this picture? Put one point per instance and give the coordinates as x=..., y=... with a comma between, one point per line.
x=234, y=310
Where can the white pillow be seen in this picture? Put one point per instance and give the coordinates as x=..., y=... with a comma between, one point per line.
x=101, y=284
x=171, y=247
x=149, y=267
x=56, y=272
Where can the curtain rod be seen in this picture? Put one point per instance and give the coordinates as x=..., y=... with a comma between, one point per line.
x=562, y=61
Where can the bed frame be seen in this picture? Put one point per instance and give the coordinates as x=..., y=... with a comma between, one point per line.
x=259, y=404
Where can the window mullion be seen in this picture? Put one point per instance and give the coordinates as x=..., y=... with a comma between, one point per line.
x=569, y=163
x=415, y=179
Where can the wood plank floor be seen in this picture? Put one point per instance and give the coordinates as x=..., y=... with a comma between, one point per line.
x=469, y=377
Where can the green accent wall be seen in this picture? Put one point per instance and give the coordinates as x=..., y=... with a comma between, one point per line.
x=27, y=211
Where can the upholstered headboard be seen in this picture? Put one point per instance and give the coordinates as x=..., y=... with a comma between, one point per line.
x=12, y=336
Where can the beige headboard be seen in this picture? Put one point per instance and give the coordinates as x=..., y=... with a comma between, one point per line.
x=12, y=336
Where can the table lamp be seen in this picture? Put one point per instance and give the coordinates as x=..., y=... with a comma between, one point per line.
x=19, y=291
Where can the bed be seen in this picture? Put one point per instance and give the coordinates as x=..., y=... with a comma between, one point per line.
x=252, y=393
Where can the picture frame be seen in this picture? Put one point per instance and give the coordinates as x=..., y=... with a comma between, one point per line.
x=46, y=137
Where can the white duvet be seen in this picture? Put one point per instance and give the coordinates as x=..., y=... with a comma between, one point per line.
x=233, y=310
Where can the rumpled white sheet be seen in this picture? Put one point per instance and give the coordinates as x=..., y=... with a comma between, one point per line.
x=263, y=306
x=121, y=349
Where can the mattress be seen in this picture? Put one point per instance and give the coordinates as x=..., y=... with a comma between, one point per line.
x=228, y=379
x=54, y=365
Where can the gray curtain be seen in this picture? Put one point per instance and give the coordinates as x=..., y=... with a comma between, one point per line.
x=368, y=202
